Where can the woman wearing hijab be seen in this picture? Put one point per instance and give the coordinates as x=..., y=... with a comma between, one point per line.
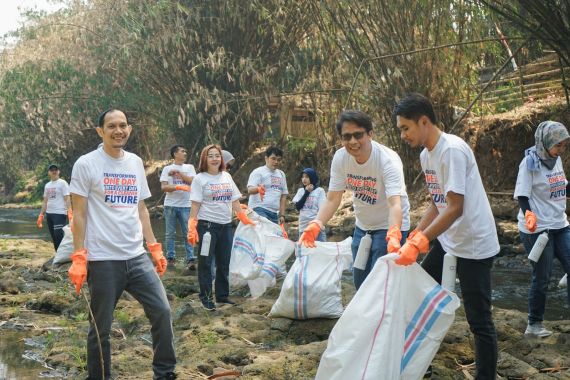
x=541, y=192
x=309, y=199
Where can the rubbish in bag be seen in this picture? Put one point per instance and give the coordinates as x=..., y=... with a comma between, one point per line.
x=563, y=281
x=65, y=249
x=392, y=327
x=312, y=288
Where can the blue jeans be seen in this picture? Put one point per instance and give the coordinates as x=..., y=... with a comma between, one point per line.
x=220, y=254
x=272, y=216
x=107, y=280
x=171, y=216
x=377, y=250
x=558, y=246
x=475, y=283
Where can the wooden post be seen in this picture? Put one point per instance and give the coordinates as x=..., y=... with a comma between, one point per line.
x=521, y=81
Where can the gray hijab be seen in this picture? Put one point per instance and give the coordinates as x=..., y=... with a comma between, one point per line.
x=548, y=134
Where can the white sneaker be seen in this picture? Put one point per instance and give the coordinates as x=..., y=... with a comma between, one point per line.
x=537, y=329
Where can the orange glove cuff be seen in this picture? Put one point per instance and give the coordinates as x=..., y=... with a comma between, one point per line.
x=182, y=187
x=79, y=256
x=420, y=241
x=530, y=220
x=244, y=218
x=394, y=232
x=311, y=233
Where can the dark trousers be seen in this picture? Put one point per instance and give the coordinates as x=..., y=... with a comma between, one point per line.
x=475, y=282
x=55, y=224
x=107, y=280
x=220, y=251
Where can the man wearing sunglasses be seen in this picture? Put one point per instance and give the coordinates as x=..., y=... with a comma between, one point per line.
x=375, y=175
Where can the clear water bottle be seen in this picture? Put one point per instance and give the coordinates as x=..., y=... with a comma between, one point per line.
x=363, y=252
x=206, y=239
x=538, y=247
x=448, y=272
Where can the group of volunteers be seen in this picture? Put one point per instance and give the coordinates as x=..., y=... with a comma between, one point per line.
x=110, y=220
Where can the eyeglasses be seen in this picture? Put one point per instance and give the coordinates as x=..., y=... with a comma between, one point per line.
x=349, y=136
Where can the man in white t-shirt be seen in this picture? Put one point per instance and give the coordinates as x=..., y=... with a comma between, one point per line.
x=458, y=220
x=175, y=181
x=267, y=187
x=374, y=173
x=108, y=188
x=56, y=205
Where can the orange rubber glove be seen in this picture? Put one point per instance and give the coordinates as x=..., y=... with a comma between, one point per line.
x=530, y=220
x=393, y=237
x=158, y=258
x=78, y=270
x=412, y=234
x=244, y=218
x=193, y=231
x=182, y=187
x=311, y=233
x=261, y=191
x=282, y=225
x=40, y=221
x=409, y=252
x=243, y=207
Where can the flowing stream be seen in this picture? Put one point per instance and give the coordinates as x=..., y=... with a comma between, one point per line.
x=19, y=362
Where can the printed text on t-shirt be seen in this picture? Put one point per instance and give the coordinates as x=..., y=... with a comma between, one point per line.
x=221, y=192
x=557, y=182
x=121, y=190
x=434, y=188
x=364, y=188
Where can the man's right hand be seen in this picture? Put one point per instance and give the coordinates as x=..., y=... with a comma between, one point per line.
x=261, y=191
x=40, y=221
x=311, y=234
x=78, y=270
x=192, y=236
x=530, y=220
x=182, y=187
x=419, y=243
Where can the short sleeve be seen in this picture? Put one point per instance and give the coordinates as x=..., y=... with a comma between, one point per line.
x=285, y=189
x=80, y=179
x=298, y=195
x=191, y=171
x=254, y=179
x=523, y=187
x=164, y=174
x=236, y=194
x=338, y=176
x=454, y=175
x=322, y=196
x=145, y=191
x=196, y=190
x=393, y=174
x=64, y=188
x=45, y=189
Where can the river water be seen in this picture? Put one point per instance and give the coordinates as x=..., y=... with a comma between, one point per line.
x=510, y=289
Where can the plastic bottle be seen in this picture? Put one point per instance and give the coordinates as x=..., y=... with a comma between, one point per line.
x=448, y=272
x=363, y=252
x=206, y=239
x=563, y=281
x=538, y=247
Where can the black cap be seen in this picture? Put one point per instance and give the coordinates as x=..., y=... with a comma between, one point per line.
x=53, y=167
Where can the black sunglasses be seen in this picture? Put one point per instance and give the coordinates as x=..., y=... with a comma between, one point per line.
x=356, y=135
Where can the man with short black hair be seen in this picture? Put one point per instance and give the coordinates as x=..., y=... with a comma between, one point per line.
x=267, y=187
x=458, y=220
x=56, y=205
x=175, y=181
x=108, y=188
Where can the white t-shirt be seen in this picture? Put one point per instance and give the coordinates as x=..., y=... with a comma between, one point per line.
x=546, y=192
x=215, y=193
x=312, y=204
x=113, y=188
x=177, y=198
x=372, y=183
x=451, y=166
x=55, y=191
x=275, y=186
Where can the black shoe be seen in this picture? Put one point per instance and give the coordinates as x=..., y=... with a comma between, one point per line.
x=171, y=260
x=226, y=301
x=191, y=265
x=208, y=305
x=169, y=376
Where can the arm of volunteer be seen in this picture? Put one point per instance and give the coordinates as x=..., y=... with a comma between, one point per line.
x=67, y=199
x=164, y=186
x=446, y=218
x=144, y=217
x=186, y=178
x=79, y=220
x=44, y=205
x=524, y=204
x=282, y=207
x=196, y=207
x=252, y=190
x=429, y=215
x=329, y=206
x=395, y=210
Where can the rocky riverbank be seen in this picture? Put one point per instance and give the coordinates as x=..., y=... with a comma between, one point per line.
x=240, y=340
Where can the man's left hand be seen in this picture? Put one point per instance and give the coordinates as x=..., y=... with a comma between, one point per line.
x=158, y=258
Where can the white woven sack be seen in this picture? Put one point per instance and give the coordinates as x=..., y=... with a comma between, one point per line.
x=312, y=288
